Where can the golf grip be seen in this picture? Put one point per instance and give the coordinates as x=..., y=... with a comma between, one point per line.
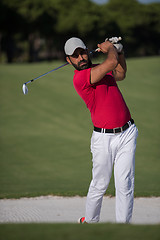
x=118, y=39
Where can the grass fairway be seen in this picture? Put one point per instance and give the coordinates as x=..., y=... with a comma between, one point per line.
x=78, y=232
x=45, y=135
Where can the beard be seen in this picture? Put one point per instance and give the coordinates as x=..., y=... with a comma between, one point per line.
x=83, y=64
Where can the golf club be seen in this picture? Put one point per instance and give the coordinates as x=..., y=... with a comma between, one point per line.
x=25, y=88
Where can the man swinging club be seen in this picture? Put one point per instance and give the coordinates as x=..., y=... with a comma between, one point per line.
x=114, y=137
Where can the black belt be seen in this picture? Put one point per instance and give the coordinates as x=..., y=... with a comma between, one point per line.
x=115, y=130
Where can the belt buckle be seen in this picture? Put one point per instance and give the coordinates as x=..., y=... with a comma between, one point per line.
x=114, y=130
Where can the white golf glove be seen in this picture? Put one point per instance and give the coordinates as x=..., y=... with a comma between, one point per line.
x=119, y=47
x=114, y=39
x=115, y=42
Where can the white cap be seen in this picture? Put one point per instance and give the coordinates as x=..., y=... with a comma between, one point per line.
x=72, y=44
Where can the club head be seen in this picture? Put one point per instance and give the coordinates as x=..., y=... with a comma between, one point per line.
x=25, y=89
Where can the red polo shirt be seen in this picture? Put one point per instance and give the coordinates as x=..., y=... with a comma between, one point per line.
x=103, y=99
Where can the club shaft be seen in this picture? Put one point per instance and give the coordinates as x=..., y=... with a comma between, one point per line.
x=47, y=73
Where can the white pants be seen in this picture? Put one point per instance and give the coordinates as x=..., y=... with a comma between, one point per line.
x=108, y=149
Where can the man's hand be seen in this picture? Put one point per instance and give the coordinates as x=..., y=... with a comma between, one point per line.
x=116, y=43
x=104, y=47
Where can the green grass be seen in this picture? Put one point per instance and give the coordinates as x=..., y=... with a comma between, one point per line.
x=78, y=232
x=45, y=135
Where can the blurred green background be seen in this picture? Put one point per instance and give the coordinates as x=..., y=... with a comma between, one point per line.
x=36, y=30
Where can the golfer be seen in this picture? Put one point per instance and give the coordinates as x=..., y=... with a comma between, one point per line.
x=113, y=141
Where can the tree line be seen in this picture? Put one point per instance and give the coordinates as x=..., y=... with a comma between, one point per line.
x=33, y=30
